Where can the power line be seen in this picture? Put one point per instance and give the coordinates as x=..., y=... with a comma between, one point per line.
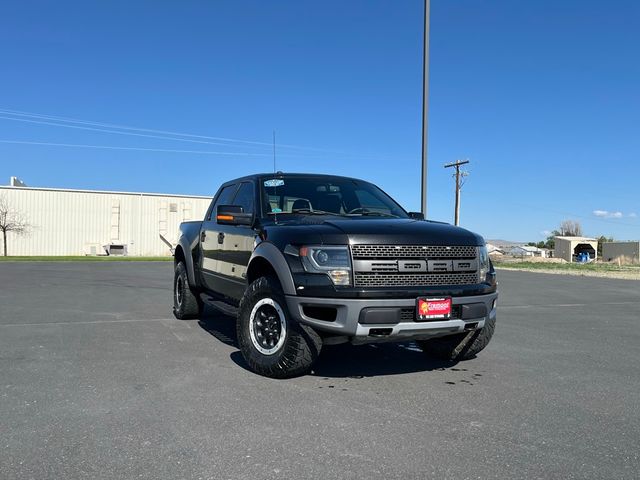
x=459, y=176
x=109, y=147
x=199, y=152
x=126, y=127
x=143, y=149
x=165, y=134
x=102, y=130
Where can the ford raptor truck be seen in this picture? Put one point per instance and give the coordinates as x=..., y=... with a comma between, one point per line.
x=304, y=260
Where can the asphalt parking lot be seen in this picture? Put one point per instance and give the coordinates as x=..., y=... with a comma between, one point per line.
x=98, y=380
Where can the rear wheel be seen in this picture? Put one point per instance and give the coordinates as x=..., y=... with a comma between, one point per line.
x=271, y=342
x=461, y=346
x=186, y=303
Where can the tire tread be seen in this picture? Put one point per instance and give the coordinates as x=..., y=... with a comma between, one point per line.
x=192, y=305
x=301, y=348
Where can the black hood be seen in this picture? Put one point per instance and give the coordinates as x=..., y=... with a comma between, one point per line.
x=363, y=230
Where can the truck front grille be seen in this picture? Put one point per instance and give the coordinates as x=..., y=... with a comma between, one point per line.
x=412, y=251
x=414, y=280
x=414, y=265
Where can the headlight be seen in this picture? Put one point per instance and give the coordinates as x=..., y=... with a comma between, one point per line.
x=483, y=260
x=331, y=260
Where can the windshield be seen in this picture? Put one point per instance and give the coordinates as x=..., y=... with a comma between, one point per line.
x=325, y=196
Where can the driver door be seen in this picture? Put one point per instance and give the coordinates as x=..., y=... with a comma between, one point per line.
x=210, y=247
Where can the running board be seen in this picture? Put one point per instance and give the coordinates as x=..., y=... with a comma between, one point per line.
x=222, y=307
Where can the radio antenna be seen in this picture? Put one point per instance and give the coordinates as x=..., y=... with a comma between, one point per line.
x=275, y=214
x=274, y=151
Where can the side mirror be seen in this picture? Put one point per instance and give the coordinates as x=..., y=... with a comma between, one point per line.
x=416, y=215
x=233, y=215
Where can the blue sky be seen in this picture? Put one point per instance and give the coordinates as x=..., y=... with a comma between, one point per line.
x=542, y=97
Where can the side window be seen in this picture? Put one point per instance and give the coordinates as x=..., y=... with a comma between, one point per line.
x=223, y=199
x=245, y=197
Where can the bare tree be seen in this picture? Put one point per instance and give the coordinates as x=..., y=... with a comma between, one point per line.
x=11, y=220
x=570, y=228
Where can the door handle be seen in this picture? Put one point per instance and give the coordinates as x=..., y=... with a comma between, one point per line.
x=203, y=236
x=221, y=237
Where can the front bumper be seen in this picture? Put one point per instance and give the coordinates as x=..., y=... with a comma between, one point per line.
x=379, y=320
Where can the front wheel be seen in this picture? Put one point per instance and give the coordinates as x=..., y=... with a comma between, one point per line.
x=273, y=344
x=461, y=346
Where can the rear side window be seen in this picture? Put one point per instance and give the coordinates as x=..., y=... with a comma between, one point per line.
x=223, y=199
x=244, y=197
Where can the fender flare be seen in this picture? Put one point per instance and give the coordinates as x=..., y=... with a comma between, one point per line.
x=188, y=260
x=269, y=252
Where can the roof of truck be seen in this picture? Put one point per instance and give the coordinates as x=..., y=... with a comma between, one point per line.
x=287, y=174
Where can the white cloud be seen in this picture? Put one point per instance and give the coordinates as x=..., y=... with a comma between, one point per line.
x=607, y=214
x=633, y=215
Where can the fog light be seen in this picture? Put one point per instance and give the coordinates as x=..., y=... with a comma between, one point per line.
x=494, y=304
x=339, y=277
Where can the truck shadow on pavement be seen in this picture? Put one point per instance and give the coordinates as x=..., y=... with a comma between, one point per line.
x=220, y=326
x=339, y=361
x=356, y=361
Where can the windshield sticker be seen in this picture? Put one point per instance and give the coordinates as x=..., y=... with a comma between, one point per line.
x=274, y=182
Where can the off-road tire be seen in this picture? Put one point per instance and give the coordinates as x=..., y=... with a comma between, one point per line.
x=461, y=346
x=300, y=347
x=186, y=302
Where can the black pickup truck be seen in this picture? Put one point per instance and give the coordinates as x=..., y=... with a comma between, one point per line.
x=303, y=260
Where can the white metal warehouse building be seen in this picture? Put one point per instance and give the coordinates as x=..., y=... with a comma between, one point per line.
x=85, y=222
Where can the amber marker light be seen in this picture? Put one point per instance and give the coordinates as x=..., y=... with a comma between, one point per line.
x=225, y=217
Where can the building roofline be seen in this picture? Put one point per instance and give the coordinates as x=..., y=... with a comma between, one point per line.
x=577, y=238
x=529, y=248
x=104, y=192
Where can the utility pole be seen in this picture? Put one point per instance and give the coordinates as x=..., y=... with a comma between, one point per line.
x=425, y=103
x=459, y=177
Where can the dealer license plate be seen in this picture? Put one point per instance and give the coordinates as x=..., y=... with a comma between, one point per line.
x=433, y=308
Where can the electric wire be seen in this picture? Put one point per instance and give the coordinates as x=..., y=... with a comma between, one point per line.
x=142, y=149
x=102, y=130
x=160, y=134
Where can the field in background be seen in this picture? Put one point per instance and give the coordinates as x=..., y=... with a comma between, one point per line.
x=611, y=270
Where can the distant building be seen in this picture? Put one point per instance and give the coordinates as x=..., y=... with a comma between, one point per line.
x=624, y=251
x=88, y=222
x=527, y=251
x=494, y=250
x=571, y=248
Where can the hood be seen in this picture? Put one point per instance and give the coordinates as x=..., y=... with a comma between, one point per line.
x=405, y=231
x=391, y=231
